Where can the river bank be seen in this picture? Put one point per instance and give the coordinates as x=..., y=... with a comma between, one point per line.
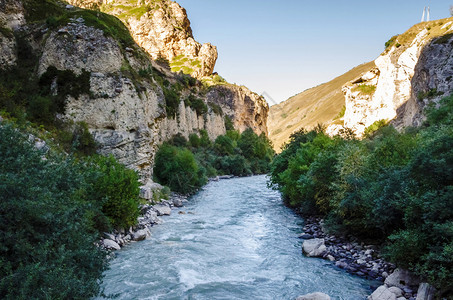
x=150, y=215
x=360, y=259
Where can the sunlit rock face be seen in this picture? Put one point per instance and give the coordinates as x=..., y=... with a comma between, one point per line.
x=162, y=29
x=406, y=78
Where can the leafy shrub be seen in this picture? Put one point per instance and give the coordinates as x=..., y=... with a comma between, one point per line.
x=228, y=123
x=178, y=169
x=171, y=102
x=117, y=189
x=216, y=108
x=374, y=127
x=196, y=104
x=194, y=140
x=429, y=94
x=48, y=245
x=224, y=145
x=178, y=140
x=391, y=41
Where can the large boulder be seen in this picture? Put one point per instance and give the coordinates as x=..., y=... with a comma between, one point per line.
x=110, y=244
x=314, y=247
x=140, y=235
x=314, y=296
x=162, y=209
x=149, y=188
x=425, y=292
x=402, y=278
x=382, y=293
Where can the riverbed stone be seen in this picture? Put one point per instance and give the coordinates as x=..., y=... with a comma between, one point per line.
x=140, y=235
x=314, y=296
x=425, y=292
x=162, y=210
x=314, y=247
x=396, y=290
x=177, y=202
x=110, y=244
x=401, y=278
x=382, y=293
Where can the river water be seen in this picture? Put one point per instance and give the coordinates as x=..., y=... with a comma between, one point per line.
x=236, y=240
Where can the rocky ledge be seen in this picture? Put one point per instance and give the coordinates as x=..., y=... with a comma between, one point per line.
x=357, y=258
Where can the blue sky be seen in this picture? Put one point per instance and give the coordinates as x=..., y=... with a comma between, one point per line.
x=284, y=47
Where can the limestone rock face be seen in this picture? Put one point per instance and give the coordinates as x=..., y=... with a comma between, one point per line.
x=76, y=46
x=7, y=49
x=245, y=108
x=161, y=28
x=406, y=78
x=11, y=14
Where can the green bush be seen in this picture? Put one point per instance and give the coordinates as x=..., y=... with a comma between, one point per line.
x=178, y=169
x=194, y=140
x=48, y=246
x=196, y=104
x=117, y=189
x=183, y=166
x=224, y=145
x=228, y=123
x=171, y=102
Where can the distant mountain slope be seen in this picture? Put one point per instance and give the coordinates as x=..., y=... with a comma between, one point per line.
x=321, y=104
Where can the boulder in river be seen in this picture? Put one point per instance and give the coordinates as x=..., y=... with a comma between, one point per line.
x=314, y=296
x=177, y=202
x=314, y=247
x=140, y=235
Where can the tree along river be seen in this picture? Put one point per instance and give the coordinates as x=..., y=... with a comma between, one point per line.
x=236, y=240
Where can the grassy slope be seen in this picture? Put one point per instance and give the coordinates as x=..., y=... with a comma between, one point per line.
x=320, y=104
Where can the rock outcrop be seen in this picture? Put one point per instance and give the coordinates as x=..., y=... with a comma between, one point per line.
x=253, y=109
x=414, y=71
x=163, y=30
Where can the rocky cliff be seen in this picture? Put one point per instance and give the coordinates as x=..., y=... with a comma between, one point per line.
x=162, y=29
x=130, y=102
x=415, y=70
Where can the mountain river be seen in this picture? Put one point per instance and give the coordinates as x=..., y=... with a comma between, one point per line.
x=235, y=240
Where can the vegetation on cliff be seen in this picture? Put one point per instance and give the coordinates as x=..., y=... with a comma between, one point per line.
x=185, y=165
x=395, y=188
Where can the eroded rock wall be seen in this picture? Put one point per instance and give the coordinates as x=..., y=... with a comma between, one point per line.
x=406, y=78
x=163, y=29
